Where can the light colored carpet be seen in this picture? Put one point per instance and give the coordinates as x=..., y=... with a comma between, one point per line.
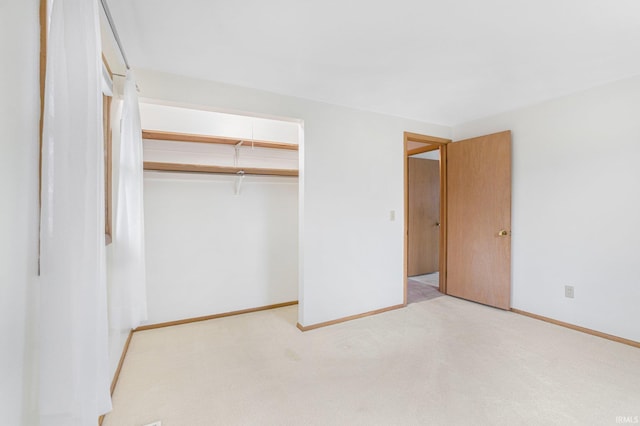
x=440, y=362
x=418, y=291
x=429, y=279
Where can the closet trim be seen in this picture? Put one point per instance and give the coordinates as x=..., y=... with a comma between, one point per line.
x=214, y=316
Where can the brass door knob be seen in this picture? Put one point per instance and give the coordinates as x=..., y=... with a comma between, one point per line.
x=503, y=233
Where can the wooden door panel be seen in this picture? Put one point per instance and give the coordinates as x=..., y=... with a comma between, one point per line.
x=424, y=214
x=478, y=208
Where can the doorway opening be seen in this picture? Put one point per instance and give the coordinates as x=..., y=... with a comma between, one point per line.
x=425, y=217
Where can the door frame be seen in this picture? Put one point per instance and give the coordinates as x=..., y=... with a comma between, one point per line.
x=431, y=144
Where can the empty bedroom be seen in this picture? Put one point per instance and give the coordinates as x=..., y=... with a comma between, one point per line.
x=319, y=213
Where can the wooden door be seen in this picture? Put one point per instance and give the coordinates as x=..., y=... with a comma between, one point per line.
x=479, y=219
x=424, y=216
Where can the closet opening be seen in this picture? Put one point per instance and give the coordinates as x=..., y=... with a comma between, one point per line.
x=221, y=212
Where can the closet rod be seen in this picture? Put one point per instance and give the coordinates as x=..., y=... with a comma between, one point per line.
x=114, y=31
x=201, y=168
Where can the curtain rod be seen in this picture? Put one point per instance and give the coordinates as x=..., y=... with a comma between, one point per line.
x=114, y=31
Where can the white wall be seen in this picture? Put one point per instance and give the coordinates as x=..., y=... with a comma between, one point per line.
x=576, y=206
x=19, y=115
x=219, y=155
x=351, y=177
x=210, y=251
x=171, y=118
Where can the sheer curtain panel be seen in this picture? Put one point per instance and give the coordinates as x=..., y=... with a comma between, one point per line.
x=73, y=355
x=127, y=291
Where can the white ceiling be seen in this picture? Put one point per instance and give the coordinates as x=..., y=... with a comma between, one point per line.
x=445, y=61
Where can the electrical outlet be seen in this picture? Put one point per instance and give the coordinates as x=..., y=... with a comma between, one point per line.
x=156, y=423
x=568, y=291
x=392, y=215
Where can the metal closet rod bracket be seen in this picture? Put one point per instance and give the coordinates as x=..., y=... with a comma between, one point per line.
x=236, y=158
x=240, y=177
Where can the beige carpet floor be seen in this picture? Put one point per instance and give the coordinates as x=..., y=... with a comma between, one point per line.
x=440, y=362
x=422, y=287
x=429, y=279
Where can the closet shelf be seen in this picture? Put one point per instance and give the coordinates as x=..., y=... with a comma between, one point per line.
x=201, y=168
x=188, y=137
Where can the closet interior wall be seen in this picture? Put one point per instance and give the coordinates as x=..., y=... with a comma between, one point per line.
x=218, y=242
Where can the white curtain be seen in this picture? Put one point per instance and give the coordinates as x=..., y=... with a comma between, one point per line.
x=73, y=377
x=127, y=292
